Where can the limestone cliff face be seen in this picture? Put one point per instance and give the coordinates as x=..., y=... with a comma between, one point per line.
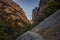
x=11, y=12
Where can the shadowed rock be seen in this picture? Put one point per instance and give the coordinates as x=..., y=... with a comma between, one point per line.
x=30, y=36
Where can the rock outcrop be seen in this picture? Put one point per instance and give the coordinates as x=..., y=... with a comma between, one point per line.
x=9, y=10
x=30, y=36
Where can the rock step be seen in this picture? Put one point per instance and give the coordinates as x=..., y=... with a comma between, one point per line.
x=30, y=36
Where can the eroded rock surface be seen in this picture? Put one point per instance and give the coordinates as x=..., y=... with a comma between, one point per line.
x=9, y=10
x=30, y=36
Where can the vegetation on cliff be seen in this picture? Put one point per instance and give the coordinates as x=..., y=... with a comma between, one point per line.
x=51, y=7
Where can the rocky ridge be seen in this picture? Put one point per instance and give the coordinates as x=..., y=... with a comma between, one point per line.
x=10, y=10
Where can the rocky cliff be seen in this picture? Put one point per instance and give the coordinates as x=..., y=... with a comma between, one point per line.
x=13, y=21
x=9, y=10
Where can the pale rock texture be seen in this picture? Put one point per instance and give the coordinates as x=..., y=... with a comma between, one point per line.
x=30, y=36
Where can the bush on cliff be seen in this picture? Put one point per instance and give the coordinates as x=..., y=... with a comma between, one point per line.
x=57, y=1
x=8, y=33
x=2, y=34
x=51, y=8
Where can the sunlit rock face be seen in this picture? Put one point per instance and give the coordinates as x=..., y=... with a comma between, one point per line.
x=30, y=36
x=14, y=20
x=12, y=12
x=50, y=27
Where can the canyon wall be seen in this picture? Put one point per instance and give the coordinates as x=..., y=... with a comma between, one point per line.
x=9, y=10
x=13, y=21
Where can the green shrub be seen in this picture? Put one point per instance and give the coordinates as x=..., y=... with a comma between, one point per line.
x=57, y=1
x=51, y=8
x=2, y=25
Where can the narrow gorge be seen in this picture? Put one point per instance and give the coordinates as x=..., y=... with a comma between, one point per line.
x=45, y=23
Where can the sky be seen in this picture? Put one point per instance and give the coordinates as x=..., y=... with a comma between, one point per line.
x=28, y=6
